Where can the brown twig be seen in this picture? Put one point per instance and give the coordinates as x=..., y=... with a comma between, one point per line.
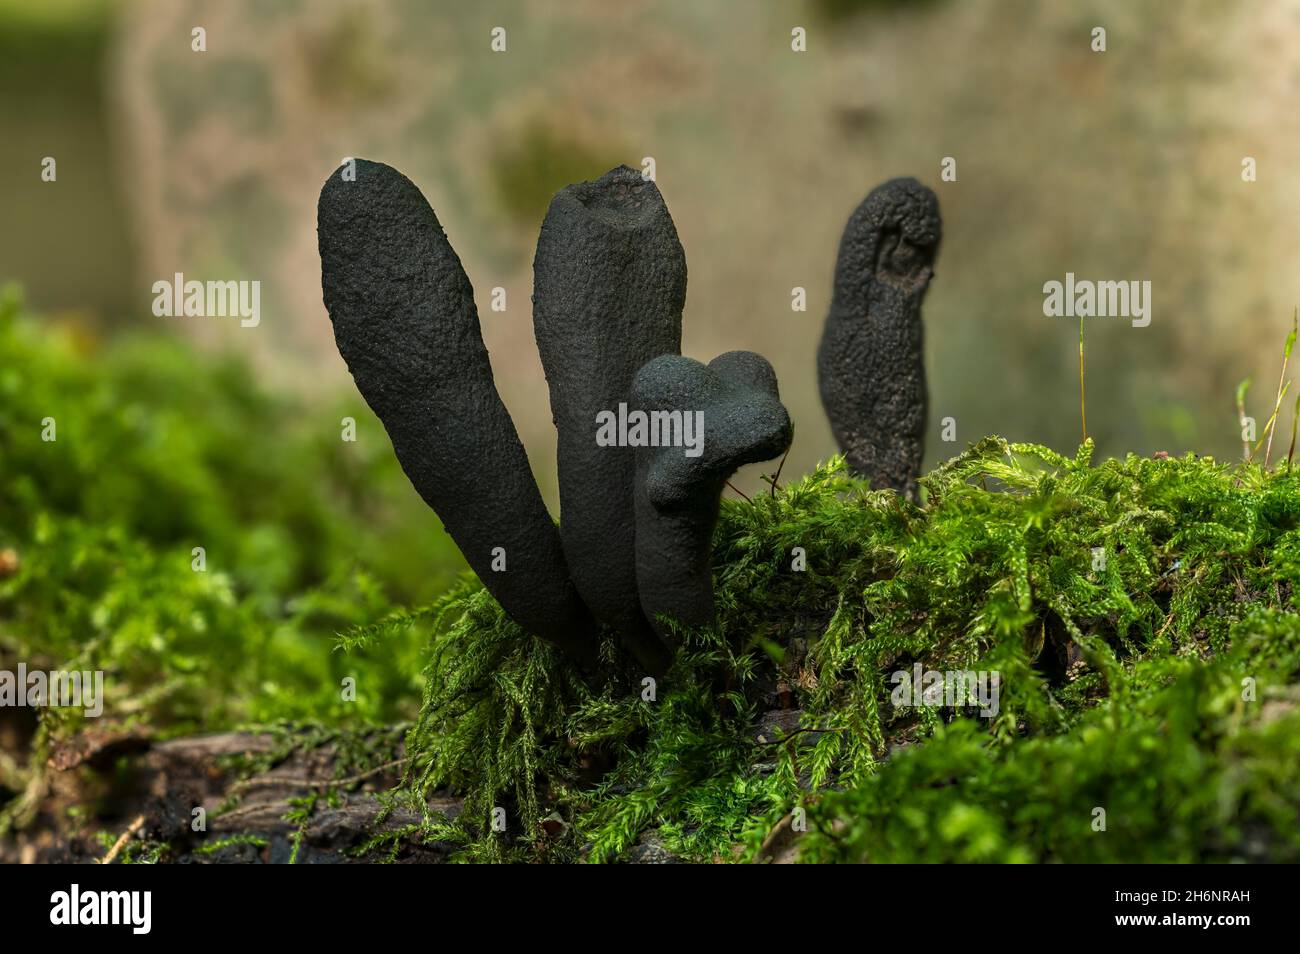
x=122, y=840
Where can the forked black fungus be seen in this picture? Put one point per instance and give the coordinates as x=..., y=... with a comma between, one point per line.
x=647, y=438
x=870, y=364
x=731, y=406
x=609, y=284
x=406, y=324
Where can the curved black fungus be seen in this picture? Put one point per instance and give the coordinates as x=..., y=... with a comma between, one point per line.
x=870, y=364
x=609, y=284
x=677, y=496
x=405, y=322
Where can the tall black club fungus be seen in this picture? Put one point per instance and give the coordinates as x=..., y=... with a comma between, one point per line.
x=609, y=284
x=732, y=406
x=870, y=364
x=405, y=322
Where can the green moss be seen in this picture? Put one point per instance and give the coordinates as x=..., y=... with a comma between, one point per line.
x=232, y=841
x=1140, y=613
x=1121, y=681
x=159, y=450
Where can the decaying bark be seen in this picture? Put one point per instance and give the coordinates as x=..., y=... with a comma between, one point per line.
x=147, y=792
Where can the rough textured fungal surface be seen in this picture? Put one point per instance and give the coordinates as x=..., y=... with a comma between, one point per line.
x=676, y=495
x=405, y=322
x=609, y=284
x=870, y=365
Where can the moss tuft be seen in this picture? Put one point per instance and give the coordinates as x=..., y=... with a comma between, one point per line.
x=1139, y=613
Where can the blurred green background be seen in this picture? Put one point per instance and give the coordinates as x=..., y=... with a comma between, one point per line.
x=1117, y=165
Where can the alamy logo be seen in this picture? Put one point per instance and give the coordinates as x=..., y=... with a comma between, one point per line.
x=948, y=687
x=1089, y=299
x=103, y=907
x=194, y=299
x=651, y=429
x=56, y=688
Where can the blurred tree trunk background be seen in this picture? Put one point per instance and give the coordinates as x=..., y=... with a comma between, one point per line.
x=1122, y=165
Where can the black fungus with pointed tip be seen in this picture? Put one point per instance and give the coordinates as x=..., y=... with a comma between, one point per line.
x=870, y=364
x=609, y=284
x=406, y=324
x=677, y=496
